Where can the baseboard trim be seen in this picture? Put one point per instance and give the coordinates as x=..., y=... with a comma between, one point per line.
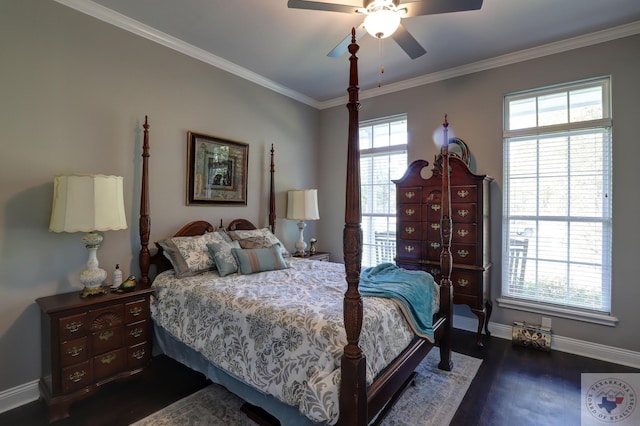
x=560, y=343
x=19, y=395
x=29, y=392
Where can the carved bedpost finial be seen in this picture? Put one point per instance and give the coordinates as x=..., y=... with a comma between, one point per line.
x=144, y=222
x=446, y=259
x=272, y=196
x=353, y=390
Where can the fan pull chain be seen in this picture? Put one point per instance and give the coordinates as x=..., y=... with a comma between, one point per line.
x=380, y=60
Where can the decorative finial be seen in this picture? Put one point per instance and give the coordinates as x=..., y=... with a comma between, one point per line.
x=353, y=47
x=446, y=123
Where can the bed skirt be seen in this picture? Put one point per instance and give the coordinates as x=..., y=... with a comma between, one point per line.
x=165, y=343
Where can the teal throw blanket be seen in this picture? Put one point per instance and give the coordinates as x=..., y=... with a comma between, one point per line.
x=414, y=290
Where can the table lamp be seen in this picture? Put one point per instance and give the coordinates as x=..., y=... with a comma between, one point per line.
x=302, y=205
x=88, y=203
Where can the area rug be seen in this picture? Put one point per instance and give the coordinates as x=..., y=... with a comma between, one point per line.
x=433, y=401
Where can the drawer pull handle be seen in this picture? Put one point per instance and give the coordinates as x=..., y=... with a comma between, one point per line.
x=139, y=354
x=435, y=272
x=75, y=351
x=409, y=230
x=463, y=232
x=106, y=335
x=410, y=212
x=435, y=226
x=463, y=283
x=463, y=213
x=107, y=359
x=435, y=245
x=72, y=327
x=463, y=253
x=435, y=207
x=408, y=249
x=135, y=311
x=463, y=193
x=77, y=376
x=136, y=332
x=410, y=194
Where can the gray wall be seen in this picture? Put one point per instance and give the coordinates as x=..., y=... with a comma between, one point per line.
x=73, y=95
x=474, y=106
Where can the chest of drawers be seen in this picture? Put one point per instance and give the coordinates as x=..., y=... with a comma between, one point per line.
x=89, y=342
x=418, y=240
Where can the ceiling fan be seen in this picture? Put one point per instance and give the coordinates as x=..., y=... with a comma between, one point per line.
x=382, y=18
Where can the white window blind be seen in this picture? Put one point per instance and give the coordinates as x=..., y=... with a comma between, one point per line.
x=383, y=158
x=557, y=196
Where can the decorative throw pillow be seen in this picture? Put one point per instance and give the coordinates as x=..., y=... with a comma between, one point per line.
x=259, y=260
x=258, y=238
x=190, y=255
x=222, y=256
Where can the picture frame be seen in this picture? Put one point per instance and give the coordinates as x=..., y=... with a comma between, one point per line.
x=216, y=170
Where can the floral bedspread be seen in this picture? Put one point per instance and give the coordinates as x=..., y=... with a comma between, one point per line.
x=279, y=331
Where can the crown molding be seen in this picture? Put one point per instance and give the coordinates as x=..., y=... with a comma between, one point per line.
x=499, y=61
x=128, y=24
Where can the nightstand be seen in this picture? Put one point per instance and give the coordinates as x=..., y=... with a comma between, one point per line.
x=89, y=342
x=322, y=256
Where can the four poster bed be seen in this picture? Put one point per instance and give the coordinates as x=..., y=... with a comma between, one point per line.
x=293, y=340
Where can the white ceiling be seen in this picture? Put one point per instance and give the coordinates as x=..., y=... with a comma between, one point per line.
x=286, y=49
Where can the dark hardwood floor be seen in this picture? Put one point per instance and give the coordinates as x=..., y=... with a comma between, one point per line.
x=514, y=386
x=524, y=387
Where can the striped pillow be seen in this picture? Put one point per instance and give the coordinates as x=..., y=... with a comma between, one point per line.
x=259, y=260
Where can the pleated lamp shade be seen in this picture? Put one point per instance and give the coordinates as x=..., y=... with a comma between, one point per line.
x=302, y=204
x=86, y=203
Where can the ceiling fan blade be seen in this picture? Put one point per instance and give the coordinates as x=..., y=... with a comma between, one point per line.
x=432, y=7
x=408, y=43
x=317, y=5
x=343, y=46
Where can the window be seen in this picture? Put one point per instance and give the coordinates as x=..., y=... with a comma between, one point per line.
x=383, y=157
x=557, y=201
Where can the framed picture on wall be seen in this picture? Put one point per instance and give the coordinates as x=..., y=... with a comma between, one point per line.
x=216, y=170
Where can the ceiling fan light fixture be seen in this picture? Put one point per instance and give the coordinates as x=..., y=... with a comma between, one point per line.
x=382, y=23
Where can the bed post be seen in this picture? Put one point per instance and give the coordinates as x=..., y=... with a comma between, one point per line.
x=353, y=391
x=272, y=197
x=446, y=290
x=145, y=222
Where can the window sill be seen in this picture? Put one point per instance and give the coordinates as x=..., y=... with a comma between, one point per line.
x=574, y=314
